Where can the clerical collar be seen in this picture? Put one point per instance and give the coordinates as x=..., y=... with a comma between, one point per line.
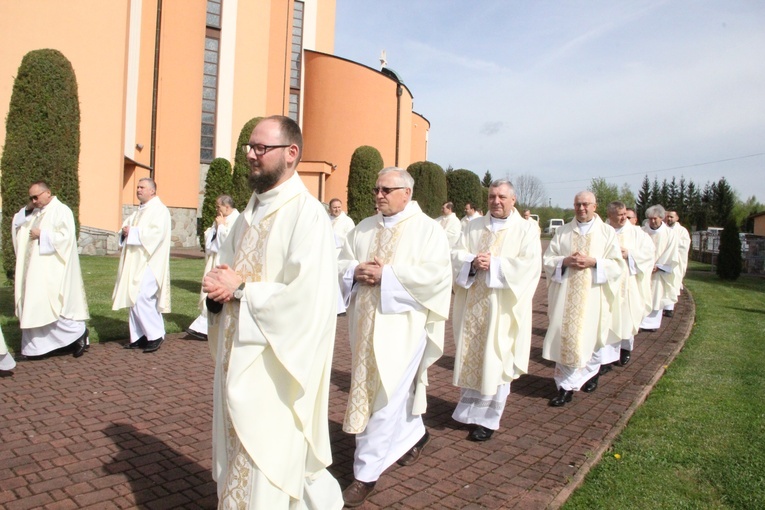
x=584, y=227
x=653, y=231
x=392, y=221
x=141, y=206
x=498, y=223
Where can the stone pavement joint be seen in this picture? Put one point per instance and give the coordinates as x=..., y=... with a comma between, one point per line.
x=120, y=429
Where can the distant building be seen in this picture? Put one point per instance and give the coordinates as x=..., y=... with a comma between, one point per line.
x=165, y=87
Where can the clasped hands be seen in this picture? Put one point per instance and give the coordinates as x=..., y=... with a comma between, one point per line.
x=34, y=233
x=482, y=261
x=579, y=261
x=220, y=283
x=369, y=273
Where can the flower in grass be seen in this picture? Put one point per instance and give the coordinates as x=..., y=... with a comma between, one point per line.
x=617, y=456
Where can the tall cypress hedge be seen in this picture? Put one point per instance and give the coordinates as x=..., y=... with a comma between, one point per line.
x=429, y=186
x=240, y=187
x=218, y=182
x=464, y=186
x=366, y=162
x=729, y=264
x=42, y=138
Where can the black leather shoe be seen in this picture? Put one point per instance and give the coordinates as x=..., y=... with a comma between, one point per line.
x=624, y=357
x=669, y=313
x=604, y=369
x=81, y=344
x=413, y=455
x=196, y=334
x=561, y=398
x=153, y=345
x=357, y=492
x=480, y=433
x=591, y=385
x=138, y=344
x=644, y=330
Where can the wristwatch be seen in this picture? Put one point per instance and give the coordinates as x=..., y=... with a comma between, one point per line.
x=239, y=292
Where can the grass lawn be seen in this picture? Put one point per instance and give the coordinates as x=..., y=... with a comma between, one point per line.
x=99, y=275
x=699, y=439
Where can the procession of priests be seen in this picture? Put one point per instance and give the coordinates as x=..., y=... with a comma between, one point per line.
x=275, y=274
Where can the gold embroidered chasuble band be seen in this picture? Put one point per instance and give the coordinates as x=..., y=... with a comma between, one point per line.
x=365, y=379
x=248, y=263
x=577, y=290
x=476, y=318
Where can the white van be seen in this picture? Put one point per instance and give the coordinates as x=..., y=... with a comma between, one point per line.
x=553, y=226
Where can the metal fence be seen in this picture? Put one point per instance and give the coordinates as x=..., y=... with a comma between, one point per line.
x=705, y=246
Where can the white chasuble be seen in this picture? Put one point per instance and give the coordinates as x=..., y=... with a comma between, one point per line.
x=493, y=310
x=48, y=283
x=150, y=252
x=665, y=283
x=273, y=353
x=580, y=301
x=634, y=298
x=384, y=341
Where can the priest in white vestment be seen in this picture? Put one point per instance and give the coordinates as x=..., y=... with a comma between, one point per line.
x=395, y=276
x=672, y=220
x=634, y=294
x=143, y=277
x=50, y=295
x=341, y=222
x=496, y=267
x=471, y=213
x=665, y=280
x=583, y=263
x=450, y=223
x=273, y=339
x=214, y=238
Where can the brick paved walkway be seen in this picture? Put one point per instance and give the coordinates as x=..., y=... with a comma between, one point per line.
x=123, y=429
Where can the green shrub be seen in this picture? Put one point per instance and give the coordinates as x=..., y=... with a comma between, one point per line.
x=464, y=186
x=42, y=138
x=366, y=162
x=729, y=263
x=429, y=187
x=218, y=182
x=240, y=187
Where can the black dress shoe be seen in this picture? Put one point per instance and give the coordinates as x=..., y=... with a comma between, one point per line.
x=153, y=345
x=81, y=344
x=561, y=398
x=624, y=357
x=669, y=313
x=138, y=344
x=645, y=330
x=413, y=455
x=196, y=334
x=591, y=385
x=604, y=369
x=480, y=433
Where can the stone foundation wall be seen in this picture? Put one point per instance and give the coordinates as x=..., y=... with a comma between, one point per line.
x=183, y=234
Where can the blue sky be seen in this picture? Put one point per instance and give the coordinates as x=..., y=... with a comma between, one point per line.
x=568, y=91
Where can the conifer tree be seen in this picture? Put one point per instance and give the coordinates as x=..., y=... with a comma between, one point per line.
x=218, y=182
x=729, y=264
x=366, y=162
x=240, y=185
x=429, y=186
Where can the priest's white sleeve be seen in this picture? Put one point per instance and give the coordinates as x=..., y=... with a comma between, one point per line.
x=394, y=298
x=255, y=296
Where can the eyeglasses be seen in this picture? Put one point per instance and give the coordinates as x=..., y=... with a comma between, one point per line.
x=386, y=191
x=261, y=149
x=32, y=198
x=583, y=204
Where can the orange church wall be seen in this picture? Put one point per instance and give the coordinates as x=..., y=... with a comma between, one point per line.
x=420, y=131
x=92, y=35
x=347, y=105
